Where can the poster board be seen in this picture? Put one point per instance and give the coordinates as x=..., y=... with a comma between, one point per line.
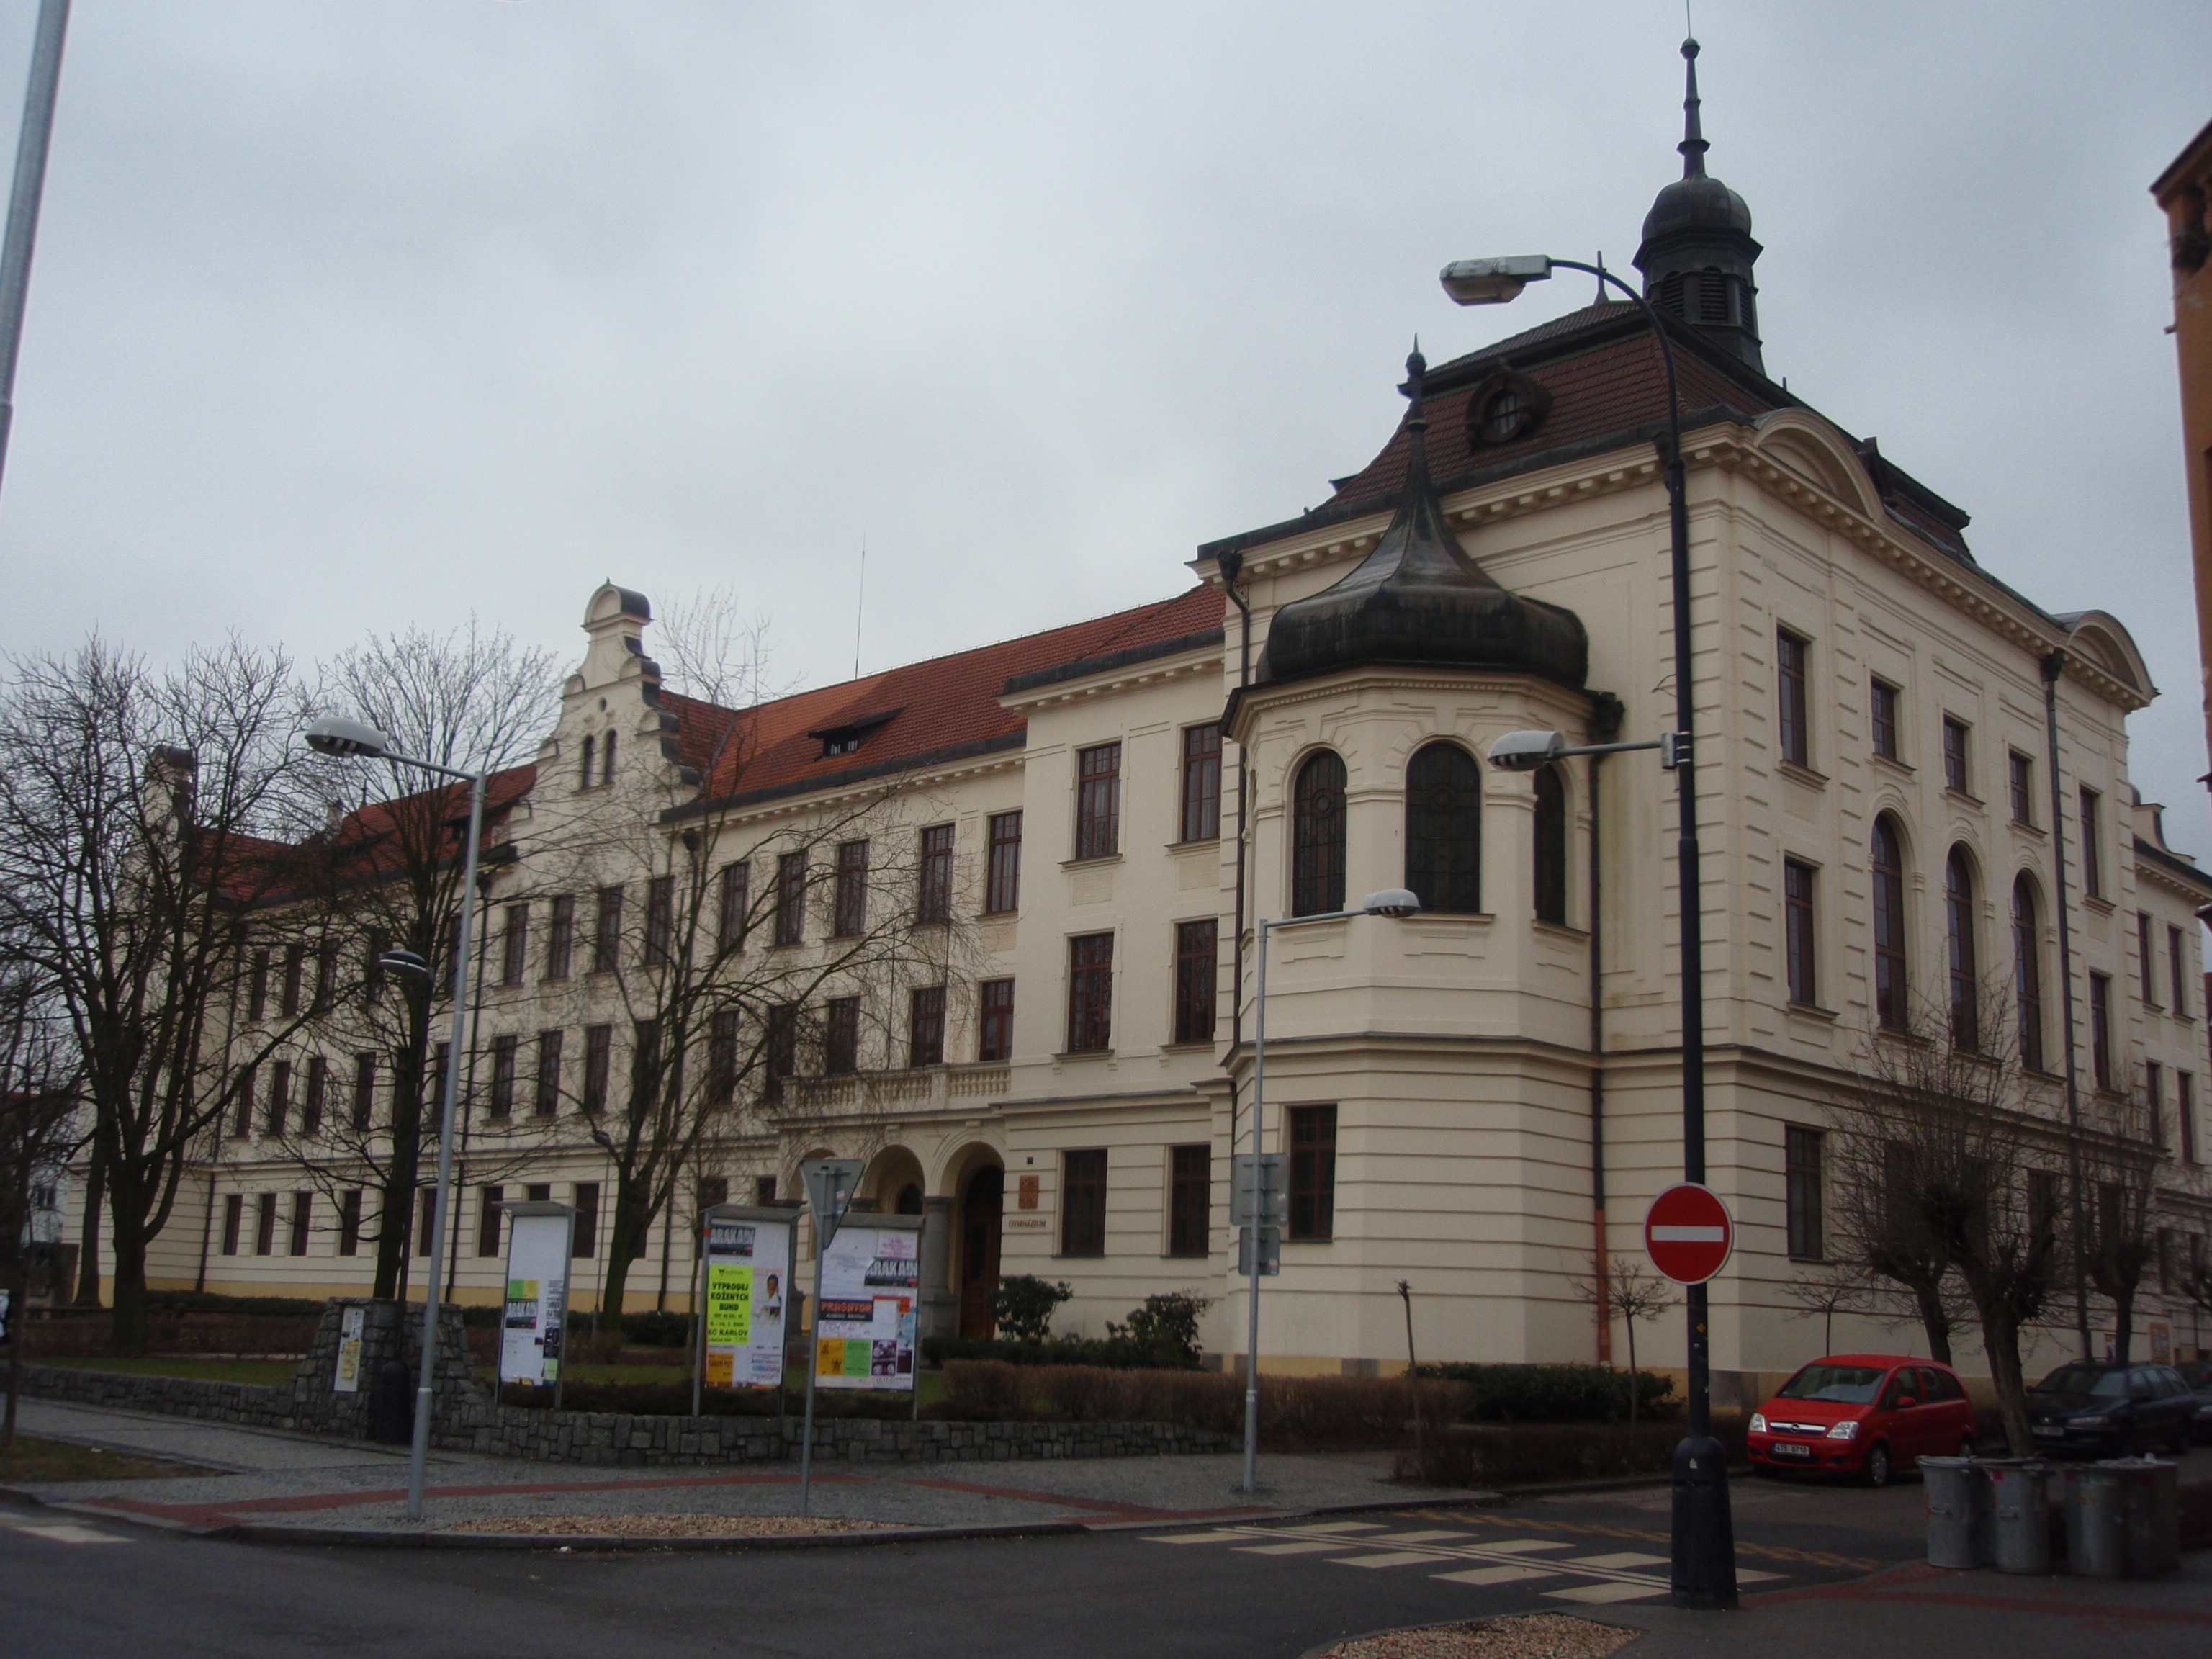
x=537, y=1260
x=745, y=1268
x=347, y=1380
x=864, y=1328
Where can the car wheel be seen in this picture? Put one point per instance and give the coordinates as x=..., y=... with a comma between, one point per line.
x=1879, y=1469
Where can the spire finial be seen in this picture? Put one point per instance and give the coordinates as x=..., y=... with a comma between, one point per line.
x=1417, y=368
x=1693, y=145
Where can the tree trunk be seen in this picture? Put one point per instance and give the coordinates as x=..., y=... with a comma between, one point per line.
x=127, y=1323
x=1934, y=1320
x=1633, y=1390
x=2001, y=1347
x=2124, y=1324
x=625, y=1243
x=87, y=1255
x=19, y=1337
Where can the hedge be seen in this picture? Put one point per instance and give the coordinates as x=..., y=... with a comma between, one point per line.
x=1110, y=1353
x=1555, y=1394
x=1487, y=1454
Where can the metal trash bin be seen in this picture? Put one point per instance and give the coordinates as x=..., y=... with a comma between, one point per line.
x=2020, y=1514
x=2150, y=1509
x=1958, y=1499
x=2096, y=1522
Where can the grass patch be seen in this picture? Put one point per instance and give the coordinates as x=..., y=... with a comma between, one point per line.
x=32, y=1459
x=272, y=1372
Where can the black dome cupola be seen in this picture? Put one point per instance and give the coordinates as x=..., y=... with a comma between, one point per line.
x=1698, y=251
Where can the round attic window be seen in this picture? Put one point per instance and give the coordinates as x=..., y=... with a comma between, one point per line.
x=1505, y=408
x=1503, y=415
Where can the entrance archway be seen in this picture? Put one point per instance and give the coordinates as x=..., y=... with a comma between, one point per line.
x=982, y=1211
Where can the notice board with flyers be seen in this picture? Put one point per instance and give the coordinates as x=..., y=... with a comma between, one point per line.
x=864, y=1330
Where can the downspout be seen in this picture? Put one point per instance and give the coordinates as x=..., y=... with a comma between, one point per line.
x=2053, y=665
x=1231, y=565
x=1605, y=727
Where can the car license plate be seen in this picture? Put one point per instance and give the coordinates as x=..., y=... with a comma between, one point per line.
x=1783, y=1449
x=2049, y=1431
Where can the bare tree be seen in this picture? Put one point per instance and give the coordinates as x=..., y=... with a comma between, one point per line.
x=1826, y=1291
x=39, y=1110
x=1942, y=1154
x=1626, y=1291
x=140, y=814
x=2123, y=1159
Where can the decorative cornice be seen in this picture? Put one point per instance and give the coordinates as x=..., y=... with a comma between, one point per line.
x=1202, y=659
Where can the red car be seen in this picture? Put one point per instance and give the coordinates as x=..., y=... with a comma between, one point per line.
x=1864, y=1414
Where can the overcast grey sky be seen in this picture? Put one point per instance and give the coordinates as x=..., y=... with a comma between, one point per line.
x=350, y=314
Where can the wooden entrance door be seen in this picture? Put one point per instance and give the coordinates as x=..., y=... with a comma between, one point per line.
x=980, y=1217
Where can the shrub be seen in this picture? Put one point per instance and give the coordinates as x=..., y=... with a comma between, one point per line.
x=1023, y=1305
x=1166, y=1326
x=658, y=1330
x=1554, y=1394
x=1468, y=1455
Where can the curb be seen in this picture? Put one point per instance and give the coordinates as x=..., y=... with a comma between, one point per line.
x=610, y=1544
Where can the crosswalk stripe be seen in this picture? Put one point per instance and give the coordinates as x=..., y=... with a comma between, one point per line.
x=1602, y=1593
x=1301, y=1547
x=1499, y=1575
x=1388, y=1558
x=1622, y=1558
x=63, y=1532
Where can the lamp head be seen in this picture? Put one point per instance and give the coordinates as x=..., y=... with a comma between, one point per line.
x=334, y=734
x=1391, y=901
x=1524, y=751
x=405, y=962
x=1493, y=282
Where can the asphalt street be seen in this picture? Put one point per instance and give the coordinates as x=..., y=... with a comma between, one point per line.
x=87, y=1587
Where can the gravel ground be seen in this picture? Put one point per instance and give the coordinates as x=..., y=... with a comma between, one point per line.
x=1532, y=1636
x=667, y=1526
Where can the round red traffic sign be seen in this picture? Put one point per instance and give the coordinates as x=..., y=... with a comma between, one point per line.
x=1688, y=1233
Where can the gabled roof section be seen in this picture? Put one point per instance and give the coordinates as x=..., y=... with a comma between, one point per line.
x=922, y=713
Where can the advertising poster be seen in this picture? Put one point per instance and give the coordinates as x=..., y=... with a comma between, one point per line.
x=348, y=1380
x=748, y=1275
x=871, y=1284
x=537, y=1298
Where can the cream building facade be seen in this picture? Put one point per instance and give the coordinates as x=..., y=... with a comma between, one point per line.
x=1896, y=749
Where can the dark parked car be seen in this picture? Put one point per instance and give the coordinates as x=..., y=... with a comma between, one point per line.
x=2104, y=1406
x=2198, y=1373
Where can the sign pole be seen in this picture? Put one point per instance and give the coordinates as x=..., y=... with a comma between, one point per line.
x=699, y=1317
x=813, y=1344
x=830, y=1182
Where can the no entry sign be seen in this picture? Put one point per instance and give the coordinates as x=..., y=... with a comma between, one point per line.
x=1688, y=1233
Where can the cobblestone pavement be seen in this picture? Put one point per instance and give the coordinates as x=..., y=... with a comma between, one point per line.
x=266, y=1479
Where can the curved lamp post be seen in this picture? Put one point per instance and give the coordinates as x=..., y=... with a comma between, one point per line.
x=350, y=739
x=1392, y=902
x=1703, y=1540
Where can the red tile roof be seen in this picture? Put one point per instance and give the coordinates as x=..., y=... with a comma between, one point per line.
x=944, y=704
x=261, y=869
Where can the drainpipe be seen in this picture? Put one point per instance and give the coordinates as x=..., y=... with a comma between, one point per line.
x=1231, y=565
x=1605, y=727
x=2053, y=665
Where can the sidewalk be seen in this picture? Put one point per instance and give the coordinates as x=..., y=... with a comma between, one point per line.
x=276, y=1485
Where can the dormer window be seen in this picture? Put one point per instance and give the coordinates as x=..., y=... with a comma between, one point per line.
x=846, y=740
x=1504, y=408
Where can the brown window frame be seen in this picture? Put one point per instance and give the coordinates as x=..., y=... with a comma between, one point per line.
x=606, y=931
x=598, y=1068
x=1793, y=738
x=722, y=1056
x=848, y=913
x=303, y=1222
x=2028, y=972
x=1958, y=756
x=1892, y=967
x=256, y=986
x=1962, y=959
x=1881, y=717
x=1197, y=979
x=733, y=912
x=1002, y=888
x=1083, y=1187
x=932, y=898
x=2020, y=783
x=1202, y=783
x=561, y=936
x=295, y=967
x=545, y=1100
x=840, y=1037
x=1550, y=831
x=2176, y=963
x=350, y=1221
x=241, y=1123
x=505, y=1053
x=2091, y=850
x=364, y=1092
x=514, y=944
x=280, y=1098
x=1098, y=801
x=233, y=1222
x=1310, y=1133
x=264, y=1224
x=1318, y=835
x=660, y=920
x=489, y=1200
x=1803, y=1194
x=2185, y=1114
x=791, y=898
x=583, y=1241
x=1091, y=993
x=1800, y=934
x=924, y=1026
x=1190, y=1200
x=2101, y=1030
x=994, y=1022
x=314, y=1093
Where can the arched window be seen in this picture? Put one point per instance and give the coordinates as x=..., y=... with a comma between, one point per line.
x=2028, y=972
x=1959, y=930
x=1889, y=982
x=1443, y=830
x=584, y=777
x=607, y=772
x=1317, y=836
x=1550, y=846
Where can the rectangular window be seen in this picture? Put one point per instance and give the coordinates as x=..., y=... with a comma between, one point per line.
x=265, y=1231
x=1881, y=717
x=1197, y=980
x=1803, y=1191
x=645, y=1080
x=1789, y=653
x=763, y=1189
x=2020, y=780
x=426, y=1216
x=1190, y=1199
x=598, y=1057
x=2101, y=1030
x=241, y=1124
x=995, y=1006
x=2177, y=970
x=1098, y=801
x=488, y=1199
x=364, y=1092
x=934, y=898
x=585, y=1199
x=2185, y=1114
x=840, y=1037
x=924, y=1026
x=783, y=1048
x=280, y=1098
x=1002, y=894
x=2092, y=853
x=326, y=978
x=606, y=936
x=1091, y=993
x=296, y=968
x=505, y=1052
x=1083, y=1203
x=2043, y=1204
x=850, y=916
x=659, y=919
x=2146, y=959
x=440, y=1054
x=734, y=910
x=548, y=1101
x=1313, y=1172
x=791, y=898
x=1798, y=930
x=561, y=936
x=257, y=992
x=538, y=1192
x=372, y=970
x=1201, y=781
x=1955, y=755
x=514, y=944
x=349, y=1222
x=722, y=1056
x=318, y=1085
x=2154, y=1099
x=303, y=1213
x=233, y=1222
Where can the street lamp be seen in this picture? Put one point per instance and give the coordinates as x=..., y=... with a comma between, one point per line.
x=1392, y=902
x=349, y=740
x=1704, y=1571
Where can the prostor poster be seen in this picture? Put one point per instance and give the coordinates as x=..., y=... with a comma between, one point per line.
x=871, y=1283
